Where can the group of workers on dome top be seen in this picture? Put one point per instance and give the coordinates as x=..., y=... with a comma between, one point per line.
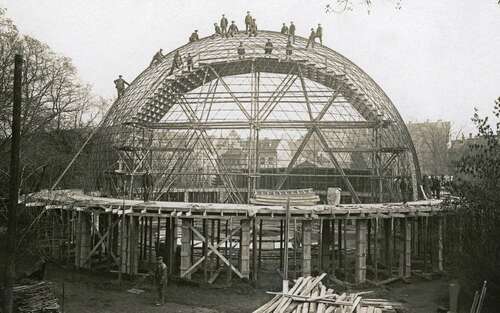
x=226, y=30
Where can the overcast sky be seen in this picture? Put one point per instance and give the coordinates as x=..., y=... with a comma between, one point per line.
x=435, y=59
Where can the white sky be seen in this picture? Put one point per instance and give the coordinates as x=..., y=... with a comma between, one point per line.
x=435, y=59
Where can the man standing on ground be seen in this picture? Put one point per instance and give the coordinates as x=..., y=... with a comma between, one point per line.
x=161, y=280
x=120, y=85
x=319, y=33
x=284, y=29
x=223, y=24
x=147, y=185
x=312, y=36
x=291, y=32
x=248, y=22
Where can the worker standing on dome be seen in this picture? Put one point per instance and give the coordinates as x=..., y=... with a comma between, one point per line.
x=248, y=22
x=291, y=32
x=253, y=29
x=194, y=36
x=289, y=49
x=268, y=48
x=189, y=62
x=312, y=36
x=176, y=62
x=120, y=85
x=223, y=24
x=284, y=29
x=233, y=29
x=218, y=31
x=319, y=33
x=241, y=51
x=157, y=58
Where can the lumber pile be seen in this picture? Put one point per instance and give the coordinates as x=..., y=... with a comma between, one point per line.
x=310, y=295
x=280, y=197
x=35, y=297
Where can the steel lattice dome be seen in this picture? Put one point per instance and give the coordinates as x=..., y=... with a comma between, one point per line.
x=311, y=120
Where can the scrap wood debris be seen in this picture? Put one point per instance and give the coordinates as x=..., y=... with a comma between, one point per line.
x=35, y=297
x=310, y=295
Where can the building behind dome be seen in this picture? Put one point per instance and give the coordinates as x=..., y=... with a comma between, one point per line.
x=235, y=124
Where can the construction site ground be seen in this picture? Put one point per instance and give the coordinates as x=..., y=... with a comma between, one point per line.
x=101, y=293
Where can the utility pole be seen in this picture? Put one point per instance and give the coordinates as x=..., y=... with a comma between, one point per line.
x=10, y=267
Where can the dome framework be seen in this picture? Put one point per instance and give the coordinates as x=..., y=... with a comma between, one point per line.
x=235, y=124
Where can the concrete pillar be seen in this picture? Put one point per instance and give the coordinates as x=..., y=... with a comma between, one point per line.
x=245, y=248
x=306, y=247
x=361, y=247
x=186, y=246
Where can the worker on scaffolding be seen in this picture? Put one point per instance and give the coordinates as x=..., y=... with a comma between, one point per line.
x=312, y=37
x=217, y=30
x=289, y=49
x=404, y=186
x=291, y=32
x=194, y=36
x=161, y=280
x=248, y=22
x=319, y=33
x=157, y=58
x=120, y=85
x=284, y=29
x=147, y=185
x=268, y=47
x=223, y=25
x=253, y=29
x=176, y=62
x=233, y=29
x=241, y=51
x=189, y=62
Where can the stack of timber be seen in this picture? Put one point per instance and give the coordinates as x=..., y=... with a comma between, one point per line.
x=310, y=295
x=280, y=197
x=35, y=297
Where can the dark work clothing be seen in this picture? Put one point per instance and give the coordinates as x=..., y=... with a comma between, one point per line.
x=194, y=37
x=253, y=29
x=147, y=185
x=241, y=52
x=291, y=33
x=268, y=48
x=189, y=63
x=248, y=22
x=218, y=31
x=284, y=30
x=161, y=280
x=319, y=34
x=176, y=63
x=120, y=84
x=289, y=49
x=312, y=36
x=233, y=29
x=157, y=58
x=223, y=24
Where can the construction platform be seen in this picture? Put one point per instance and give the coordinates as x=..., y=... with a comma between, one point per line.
x=355, y=243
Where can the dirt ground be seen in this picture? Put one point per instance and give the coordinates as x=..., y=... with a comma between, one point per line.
x=101, y=293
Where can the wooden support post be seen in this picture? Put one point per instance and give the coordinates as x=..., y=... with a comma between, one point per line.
x=339, y=244
x=124, y=244
x=205, y=250
x=245, y=248
x=78, y=230
x=186, y=196
x=261, y=227
x=388, y=248
x=375, y=247
x=361, y=249
x=254, y=250
x=440, y=244
x=281, y=244
x=85, y=240
x=325, y=246
x=407, y=247
x=133, y=246
x=306, y=247
x=332, y=258
x=186, y=246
